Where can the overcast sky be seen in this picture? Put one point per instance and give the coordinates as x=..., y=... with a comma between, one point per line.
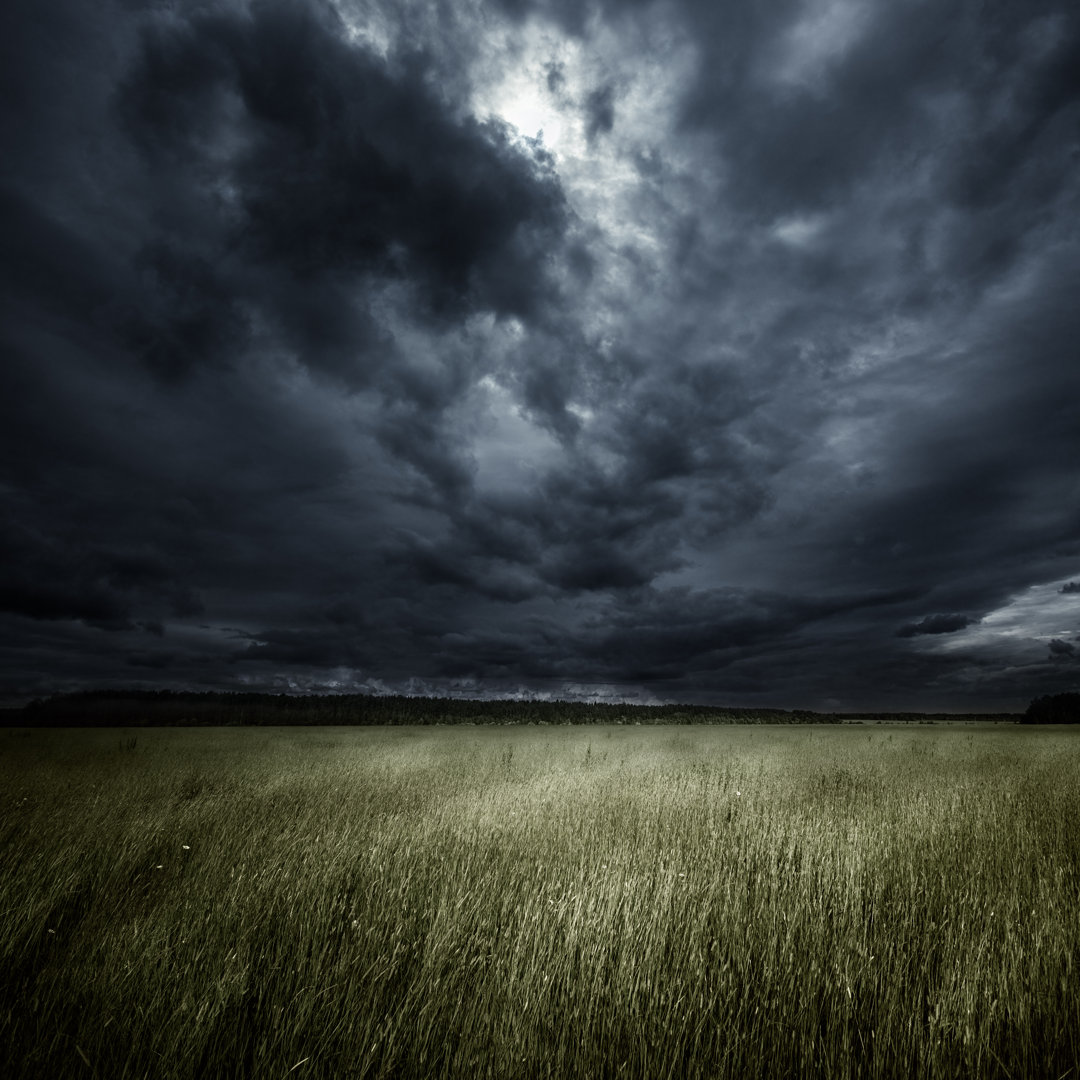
x=655, y=351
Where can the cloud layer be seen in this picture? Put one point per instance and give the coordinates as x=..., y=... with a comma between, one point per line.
x=666, y=351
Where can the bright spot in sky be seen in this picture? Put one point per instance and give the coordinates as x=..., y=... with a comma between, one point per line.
x=582, y=412
x=529, y=107
x=535, y=84
x=1031, y=619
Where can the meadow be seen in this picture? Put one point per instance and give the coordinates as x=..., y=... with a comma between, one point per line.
x=857, y=901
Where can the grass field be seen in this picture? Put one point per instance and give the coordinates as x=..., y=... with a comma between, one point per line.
x=540, y=902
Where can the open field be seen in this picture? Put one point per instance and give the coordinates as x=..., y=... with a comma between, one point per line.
x=533, y=902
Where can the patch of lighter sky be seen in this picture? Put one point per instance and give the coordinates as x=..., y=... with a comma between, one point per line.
x=827, y=29
x=1033, y=617
x=799, y=231
x=516, y=62
x=510, y=451
x=898, y=338
x=644, y=61
x=367, y=28
x=847, y=442
x=524, y=101
x=603, y=183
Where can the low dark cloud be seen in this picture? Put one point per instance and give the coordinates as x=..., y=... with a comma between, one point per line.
x=749, y=380
x=935, y=624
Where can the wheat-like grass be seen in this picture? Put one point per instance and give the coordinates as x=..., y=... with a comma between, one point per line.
x=471, y=902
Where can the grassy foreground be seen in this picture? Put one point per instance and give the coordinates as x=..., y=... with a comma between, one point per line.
x=540, y=902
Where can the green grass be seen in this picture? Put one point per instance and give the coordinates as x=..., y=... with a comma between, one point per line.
x=535, y=902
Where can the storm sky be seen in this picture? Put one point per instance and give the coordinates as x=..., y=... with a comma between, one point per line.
x=675, y=351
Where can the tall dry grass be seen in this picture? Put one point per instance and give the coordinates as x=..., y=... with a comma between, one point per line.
x=643, y=902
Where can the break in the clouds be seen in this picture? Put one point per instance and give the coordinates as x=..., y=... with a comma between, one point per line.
x=662, y=351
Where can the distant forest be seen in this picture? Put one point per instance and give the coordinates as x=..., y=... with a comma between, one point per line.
x=137, y=708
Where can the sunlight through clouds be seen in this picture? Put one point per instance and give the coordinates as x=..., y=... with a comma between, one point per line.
x=531, y=83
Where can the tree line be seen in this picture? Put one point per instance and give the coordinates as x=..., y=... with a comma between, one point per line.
x=168, y=708
x=1054, y=709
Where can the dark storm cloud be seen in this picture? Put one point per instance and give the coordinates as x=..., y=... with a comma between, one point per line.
x=316, y=375
x=318, y=159
x=154, y=661
x=976, y=491
x=809, y=107
x=556, y=77
x=935, y=624
x=55, y=577
x=599, y=112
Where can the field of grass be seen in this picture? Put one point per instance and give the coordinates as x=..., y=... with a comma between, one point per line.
x=540, y=902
